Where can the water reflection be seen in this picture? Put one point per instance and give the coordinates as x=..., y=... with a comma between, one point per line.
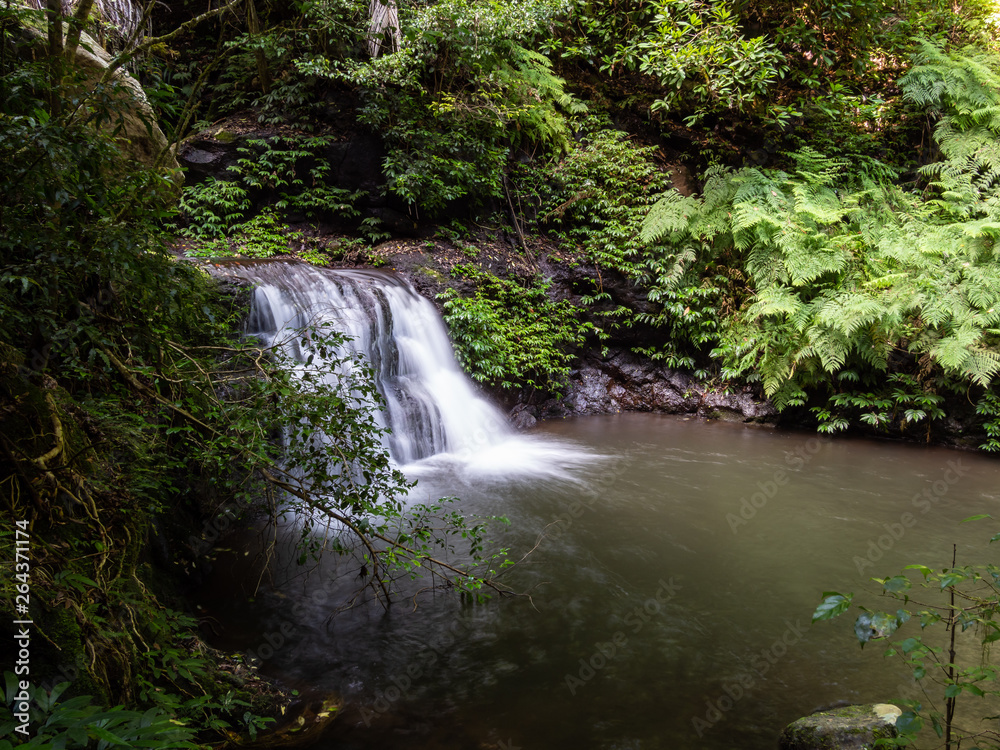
x=655, y=619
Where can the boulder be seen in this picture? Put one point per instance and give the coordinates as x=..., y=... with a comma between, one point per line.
x=846, y=728
x=140, y=137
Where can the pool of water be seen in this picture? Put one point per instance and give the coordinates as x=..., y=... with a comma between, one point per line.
x=666, y=604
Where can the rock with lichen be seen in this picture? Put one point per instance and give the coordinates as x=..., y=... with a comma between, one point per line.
x=846, y=728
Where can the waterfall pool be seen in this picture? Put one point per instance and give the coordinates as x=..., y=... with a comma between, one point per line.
x=667, y=599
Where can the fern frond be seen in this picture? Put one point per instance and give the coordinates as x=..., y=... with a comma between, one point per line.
x=775, y=300
x=673, y=213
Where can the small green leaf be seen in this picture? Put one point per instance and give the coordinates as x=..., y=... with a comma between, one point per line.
x=924, y=570
x=896, y=584
x=909, y=723
x=833, y=604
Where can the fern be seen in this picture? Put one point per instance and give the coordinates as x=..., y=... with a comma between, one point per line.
x=963, y=88
x=537, y=98
x=847, y=273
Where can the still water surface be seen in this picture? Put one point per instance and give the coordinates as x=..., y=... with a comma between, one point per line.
x=666, y=610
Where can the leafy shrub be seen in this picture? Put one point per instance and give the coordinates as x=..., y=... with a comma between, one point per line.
x=464, y=89
x=510, y=335
x=697, y=53
x=846, y=270
x=79, y=724
x=598, y=195
x=291, y=169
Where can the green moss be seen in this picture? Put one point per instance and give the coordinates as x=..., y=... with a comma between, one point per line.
x=432, y=273
x=61, y=628
x=835, y=729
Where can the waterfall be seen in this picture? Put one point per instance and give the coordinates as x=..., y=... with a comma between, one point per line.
x=431, y=406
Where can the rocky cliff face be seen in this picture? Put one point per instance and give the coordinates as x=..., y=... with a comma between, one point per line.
x=623, y=381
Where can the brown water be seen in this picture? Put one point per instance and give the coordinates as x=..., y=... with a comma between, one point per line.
x=659, y=617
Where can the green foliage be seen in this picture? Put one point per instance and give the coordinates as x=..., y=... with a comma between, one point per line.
x=595, y=34
x=963, y=90
x=78, y=724
x=510, y=335
x=462, y=92
x=849, y=274
x=988, y=407
x=263, y=236
x=292, y=170
x=902, y=403
x=702, y=61
x=957, y=610
x=258, y=66
x=213, y=207
x=598, y=194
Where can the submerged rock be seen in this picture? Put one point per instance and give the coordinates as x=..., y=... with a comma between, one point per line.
x=847, y=728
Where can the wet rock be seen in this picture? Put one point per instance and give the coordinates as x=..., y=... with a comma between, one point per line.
x=735, y=407
x=674, y=398
x=205, y=157
x=624, y=381
x=847, y=728
x=522, y=417
x=588, y=393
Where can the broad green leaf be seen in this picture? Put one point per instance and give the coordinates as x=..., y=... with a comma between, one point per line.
x=909, y=723
x=896, y=584
x=833, y=604
x=951, y=579
x=924, y=570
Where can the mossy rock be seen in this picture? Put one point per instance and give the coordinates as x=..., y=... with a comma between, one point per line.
x=847, y=728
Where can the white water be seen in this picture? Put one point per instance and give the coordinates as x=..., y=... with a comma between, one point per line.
x=438, y=423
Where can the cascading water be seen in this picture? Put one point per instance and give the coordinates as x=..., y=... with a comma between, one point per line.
x=432, y=409
x=664, y=613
